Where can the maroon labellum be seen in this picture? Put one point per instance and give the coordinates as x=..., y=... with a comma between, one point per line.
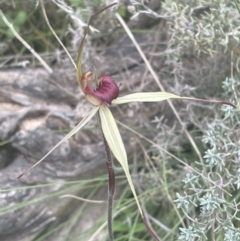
x=106, y=91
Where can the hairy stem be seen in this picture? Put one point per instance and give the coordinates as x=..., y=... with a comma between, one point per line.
x=111, y=187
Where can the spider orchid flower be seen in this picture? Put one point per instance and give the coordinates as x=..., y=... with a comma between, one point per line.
x=101, y=97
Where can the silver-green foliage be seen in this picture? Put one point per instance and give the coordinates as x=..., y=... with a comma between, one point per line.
x=214, y=190
x=205, y=33
x=204, y=26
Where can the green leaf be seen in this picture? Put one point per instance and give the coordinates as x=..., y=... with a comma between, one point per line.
x=114, y=140
x=122, y=11
x=83, y=122
x=20, y=18
x=145, y=97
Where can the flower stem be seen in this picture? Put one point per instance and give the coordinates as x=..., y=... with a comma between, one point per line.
x=111, y=187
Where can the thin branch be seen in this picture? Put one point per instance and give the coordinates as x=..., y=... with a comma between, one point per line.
x=45, y=65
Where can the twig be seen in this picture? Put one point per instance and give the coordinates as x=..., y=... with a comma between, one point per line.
x=45, y=65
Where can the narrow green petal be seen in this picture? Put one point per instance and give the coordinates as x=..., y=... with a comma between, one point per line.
x=146, y=97
x=86, y=31
x=114, y=140
x=83, y=122
x=79, y=57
